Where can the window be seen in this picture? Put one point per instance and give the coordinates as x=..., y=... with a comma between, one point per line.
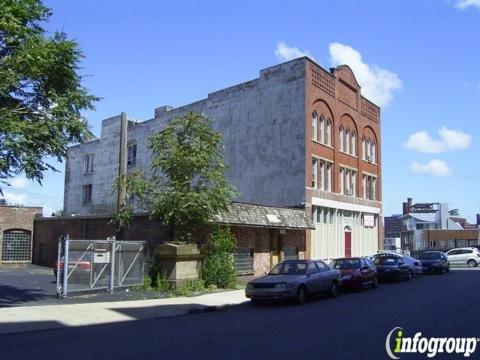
x=348, y=181
x=340, y=145
x=346, y=143
x=369, y=187
x=322, y=266
x=321, y=174
x=369, y=150
x=87, y=194
x=314, y=126
x=323, y=215
x=312, y=268
x=321, y=138
x=328, y=133
x=314, y=172
x=132, y=154
x=353, y=144
x=89, y=163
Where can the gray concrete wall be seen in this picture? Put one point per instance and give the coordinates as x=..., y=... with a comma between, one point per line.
x=263, y=126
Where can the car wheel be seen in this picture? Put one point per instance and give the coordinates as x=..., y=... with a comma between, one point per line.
x=301, y=295
x=410, y=275
x=472, y=263
x=447, y=270
x=397, y=277
x=375, y=282
x=333, y=290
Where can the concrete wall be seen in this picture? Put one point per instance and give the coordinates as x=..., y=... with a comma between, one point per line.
x=263, y=127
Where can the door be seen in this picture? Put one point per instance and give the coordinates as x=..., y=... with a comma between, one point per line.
x=348, y=243
x=453, y=256
x=274, y=248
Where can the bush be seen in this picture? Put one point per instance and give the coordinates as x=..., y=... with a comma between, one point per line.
x=218, y=267
x=189, y=286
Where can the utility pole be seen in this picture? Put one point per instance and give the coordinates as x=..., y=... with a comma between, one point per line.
x=122, y=159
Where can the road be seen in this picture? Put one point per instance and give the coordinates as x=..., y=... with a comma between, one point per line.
x=352, y=326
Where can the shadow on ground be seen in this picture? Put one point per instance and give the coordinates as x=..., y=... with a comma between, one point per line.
x=13, y=296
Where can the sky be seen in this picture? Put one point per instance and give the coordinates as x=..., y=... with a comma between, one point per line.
x=418, y=60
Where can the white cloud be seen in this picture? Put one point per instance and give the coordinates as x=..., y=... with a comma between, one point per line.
x=464, y=4
x=451, y=140
x=15, y=199
x=19, y=183
x=286, y=53
x=434, y=167
x=377, y=84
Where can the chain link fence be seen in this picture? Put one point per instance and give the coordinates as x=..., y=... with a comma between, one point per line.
x=88, y=265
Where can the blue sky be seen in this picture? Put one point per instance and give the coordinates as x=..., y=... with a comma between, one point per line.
x=419, y=59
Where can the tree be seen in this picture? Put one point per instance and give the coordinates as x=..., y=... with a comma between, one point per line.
x=41, y=96
x=187, y=187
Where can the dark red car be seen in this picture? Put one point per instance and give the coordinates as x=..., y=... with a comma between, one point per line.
x=357, y=272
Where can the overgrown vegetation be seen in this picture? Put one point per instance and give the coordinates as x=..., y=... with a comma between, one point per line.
x=218, y=266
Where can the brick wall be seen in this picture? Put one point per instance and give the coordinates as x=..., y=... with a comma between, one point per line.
x=17, y=217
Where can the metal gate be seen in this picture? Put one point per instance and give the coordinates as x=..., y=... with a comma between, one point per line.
x=86, y=265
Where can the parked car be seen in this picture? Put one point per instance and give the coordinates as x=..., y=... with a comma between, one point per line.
x=295, y=279
x=391, y=267
x=415, y=265
x=78, y=264
x=435, y=261
x=464, y=256
x=357, y=272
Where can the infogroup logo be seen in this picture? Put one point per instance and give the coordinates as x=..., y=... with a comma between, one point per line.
x=397, y=343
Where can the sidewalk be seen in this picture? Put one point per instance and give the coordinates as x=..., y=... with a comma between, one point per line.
x=32, y=318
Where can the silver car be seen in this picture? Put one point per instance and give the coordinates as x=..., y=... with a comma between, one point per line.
x=464, y=256
x=295, y=279
x=414, y=265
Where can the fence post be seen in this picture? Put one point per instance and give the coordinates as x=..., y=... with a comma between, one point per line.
x=66, y=245
x=112, y=265
x=59, y=258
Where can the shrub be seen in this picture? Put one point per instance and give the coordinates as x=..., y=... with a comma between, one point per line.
x=218, y=267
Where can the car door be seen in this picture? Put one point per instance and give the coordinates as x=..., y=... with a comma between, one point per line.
x=366, y=271
x=326, y=275
x=403, y=267
x=314, y=278
x=453, y=256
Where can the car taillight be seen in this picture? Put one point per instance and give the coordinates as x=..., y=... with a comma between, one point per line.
x=58, y=265
x=84, y=266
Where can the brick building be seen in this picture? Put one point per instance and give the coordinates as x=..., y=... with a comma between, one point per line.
x=16, y=230
x=297, y=136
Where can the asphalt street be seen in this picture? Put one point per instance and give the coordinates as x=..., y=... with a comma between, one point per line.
x=352, y=326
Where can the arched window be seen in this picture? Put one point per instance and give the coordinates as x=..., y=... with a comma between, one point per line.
x=367, y=151
x=340, y=145
x=328, y=133
x=314, y=125
x=322, y=130
x=373, y=153
x=353, y=144
x=346, y=147
x=364, y=145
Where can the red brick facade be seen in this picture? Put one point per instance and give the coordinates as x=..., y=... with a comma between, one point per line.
x=336, y=96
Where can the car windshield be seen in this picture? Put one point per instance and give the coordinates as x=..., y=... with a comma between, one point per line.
x=346, y=264
x=430, y=256
x=386, y=260
x=289, y=268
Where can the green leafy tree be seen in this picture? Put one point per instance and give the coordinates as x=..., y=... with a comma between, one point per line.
x=41, y=96
x=188, y=186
